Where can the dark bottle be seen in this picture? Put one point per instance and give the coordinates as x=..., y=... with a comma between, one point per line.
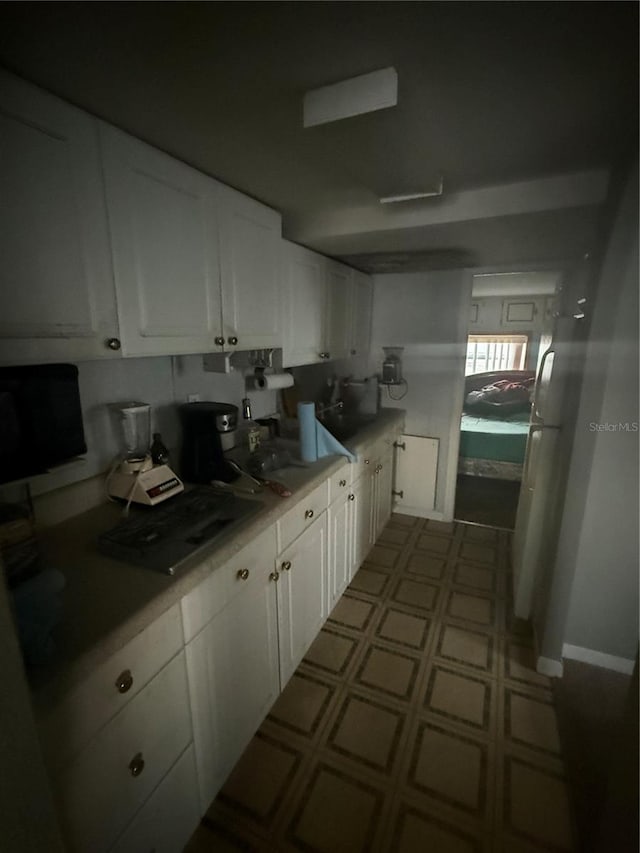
x=159, y=453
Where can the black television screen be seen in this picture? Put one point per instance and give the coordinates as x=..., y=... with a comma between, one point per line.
x=40, y=419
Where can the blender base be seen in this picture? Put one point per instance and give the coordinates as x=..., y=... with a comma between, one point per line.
x=149, y=487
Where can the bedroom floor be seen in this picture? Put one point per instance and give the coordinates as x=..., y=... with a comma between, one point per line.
x=415, y=722
x=483, y=500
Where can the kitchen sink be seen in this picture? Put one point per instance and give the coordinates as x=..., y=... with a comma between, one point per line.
x=344, y=425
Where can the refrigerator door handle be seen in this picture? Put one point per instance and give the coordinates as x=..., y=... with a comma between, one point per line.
x=536, y=388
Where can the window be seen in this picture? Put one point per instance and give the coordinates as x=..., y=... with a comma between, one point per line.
x=495, y=352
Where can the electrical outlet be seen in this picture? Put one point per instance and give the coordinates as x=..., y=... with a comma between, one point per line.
x=193, y=398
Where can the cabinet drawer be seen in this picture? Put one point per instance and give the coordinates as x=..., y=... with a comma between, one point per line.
x=115, y=773
x=70, y=725
x=225, y=582
x=170, y=815
x=340, y=481
x=303, y=514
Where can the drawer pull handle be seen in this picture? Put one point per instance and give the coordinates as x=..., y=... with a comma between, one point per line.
x=113, y=344
x=124, y=681
x=286, y=566
x=343, y=482
x=400, y=445
x=352, y=497
x=136, y=765
x=243, y=574
x=274, y=576
x=308, y=513
x=366, y=461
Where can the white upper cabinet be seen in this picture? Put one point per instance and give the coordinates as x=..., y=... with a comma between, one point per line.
x=56, y=300
x=250, y=235
x=339, y=306
x=361, y=312
x=326, y=307
x=304, y=304
x=164, y=235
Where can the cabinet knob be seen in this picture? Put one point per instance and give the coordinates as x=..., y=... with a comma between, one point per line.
x=366, y=461
x=243, y=574
x=308, y=513
x=274, y=576
x=232, y=341
x=136, y=765
x=352, y=497
x=113, y=343
x=124, y=681
x=286, y=565
x=343, y=482
x=219, y=341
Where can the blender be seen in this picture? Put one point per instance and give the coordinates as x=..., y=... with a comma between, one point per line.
x=134, y=477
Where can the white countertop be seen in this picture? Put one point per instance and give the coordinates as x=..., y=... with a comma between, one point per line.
x=108, y=602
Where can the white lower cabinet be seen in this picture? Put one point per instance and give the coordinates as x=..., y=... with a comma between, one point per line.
x=341, y=534
x=303, y=594
x=381, y=507
x=232, y=665
x=167, y=820
x=108, y=782
x=361, y=511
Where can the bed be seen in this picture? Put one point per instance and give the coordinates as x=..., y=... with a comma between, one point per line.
x=495, y=424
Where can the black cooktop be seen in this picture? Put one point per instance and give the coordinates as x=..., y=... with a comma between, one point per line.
x=162, y=537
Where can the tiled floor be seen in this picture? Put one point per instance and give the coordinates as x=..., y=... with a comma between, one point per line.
x=414, y=724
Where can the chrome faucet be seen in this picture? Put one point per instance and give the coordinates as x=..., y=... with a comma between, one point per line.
x=322, y=410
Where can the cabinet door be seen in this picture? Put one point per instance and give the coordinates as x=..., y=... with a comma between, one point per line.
x=304, y=304
x=166, y=821
x=162, y=216
x=302, y=595
x=103, y=788
x=362, y=518
x=384, y=484
x=339, y=306
x=340, y=548
x=232, y=666
x=57, y=299
x=517, y=313
x=361, y=312
x=250, y=236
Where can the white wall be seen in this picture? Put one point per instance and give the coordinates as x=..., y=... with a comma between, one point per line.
x=427, y=313
x=592, y=602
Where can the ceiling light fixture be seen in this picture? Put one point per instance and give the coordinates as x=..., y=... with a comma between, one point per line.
x=394, y=199
x=364, y=94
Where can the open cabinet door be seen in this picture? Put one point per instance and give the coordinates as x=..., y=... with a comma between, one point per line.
x=415, y=478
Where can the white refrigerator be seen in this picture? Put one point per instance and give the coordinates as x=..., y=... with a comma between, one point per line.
x=539, y=505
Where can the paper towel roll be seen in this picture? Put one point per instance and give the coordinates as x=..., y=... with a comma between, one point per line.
x=274, y=381
x=308, y=439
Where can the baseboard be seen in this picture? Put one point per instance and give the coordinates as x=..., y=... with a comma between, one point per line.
x=549, y=667
x=617, y=664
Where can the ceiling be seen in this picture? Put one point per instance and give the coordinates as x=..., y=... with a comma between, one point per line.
x=491, y=95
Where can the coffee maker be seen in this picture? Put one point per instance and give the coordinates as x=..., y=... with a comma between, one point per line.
x=208, y=429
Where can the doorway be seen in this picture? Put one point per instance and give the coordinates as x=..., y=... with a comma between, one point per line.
x=511, y=316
